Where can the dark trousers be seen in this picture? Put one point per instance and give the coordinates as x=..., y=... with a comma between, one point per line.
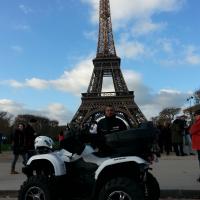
x=178, y=148
x=16, y=156
x=168, y=148
x=198, y=152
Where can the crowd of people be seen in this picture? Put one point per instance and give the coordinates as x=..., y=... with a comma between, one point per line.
x=174, y=136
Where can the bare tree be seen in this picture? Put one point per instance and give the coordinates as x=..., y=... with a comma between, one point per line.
x=197, y=96
x=5, y=122
x=169, y=113
x=44, y=126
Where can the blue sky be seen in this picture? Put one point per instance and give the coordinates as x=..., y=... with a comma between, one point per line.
x=47, y=47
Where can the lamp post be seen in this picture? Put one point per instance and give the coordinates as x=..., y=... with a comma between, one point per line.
x=190, y=109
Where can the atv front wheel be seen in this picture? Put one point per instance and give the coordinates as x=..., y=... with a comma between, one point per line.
x=35, y=188
x=121, y=188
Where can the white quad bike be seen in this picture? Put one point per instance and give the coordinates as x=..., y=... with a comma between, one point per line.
x=77, y=171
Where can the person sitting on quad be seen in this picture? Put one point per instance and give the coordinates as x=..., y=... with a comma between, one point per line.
x=109, y=124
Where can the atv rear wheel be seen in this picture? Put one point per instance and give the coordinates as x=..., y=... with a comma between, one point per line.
x=121, y=188
x=36, y=188
x=152, y=187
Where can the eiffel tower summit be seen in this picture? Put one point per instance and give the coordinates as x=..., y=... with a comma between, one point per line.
x=107, y=64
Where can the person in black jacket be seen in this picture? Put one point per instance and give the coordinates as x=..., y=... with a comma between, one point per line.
x=1, y=139
x=30, y=135
x=17, y=142
x=109, y=124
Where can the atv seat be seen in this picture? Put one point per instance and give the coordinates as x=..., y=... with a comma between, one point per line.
x=80, y=166
x=132, y=142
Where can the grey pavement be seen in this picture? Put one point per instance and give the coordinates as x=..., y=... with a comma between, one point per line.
x=175, y=175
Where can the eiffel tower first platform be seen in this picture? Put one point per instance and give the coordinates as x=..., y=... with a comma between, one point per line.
x=107, y=64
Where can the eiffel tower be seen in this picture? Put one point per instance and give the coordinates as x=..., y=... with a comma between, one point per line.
x=107, y=64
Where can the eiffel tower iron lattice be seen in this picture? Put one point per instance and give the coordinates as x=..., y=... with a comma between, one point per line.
x=107, y=64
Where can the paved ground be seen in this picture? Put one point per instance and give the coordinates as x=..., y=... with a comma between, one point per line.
x=173, y=174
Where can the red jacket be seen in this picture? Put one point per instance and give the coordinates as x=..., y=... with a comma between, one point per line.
x=195, y=132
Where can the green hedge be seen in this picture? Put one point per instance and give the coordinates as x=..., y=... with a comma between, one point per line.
x=5, y=147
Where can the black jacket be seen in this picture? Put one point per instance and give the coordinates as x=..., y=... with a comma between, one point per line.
x=29, y=137
x=17, y=139
x=110, y=125
x=106, y=126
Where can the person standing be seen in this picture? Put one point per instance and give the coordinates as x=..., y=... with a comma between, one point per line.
x=195, y=133
x=1, y=140
x=188, y=140
x=177, y=130
x=30, y=135
x=167, y=137
x=61, y=136
x=17, y=143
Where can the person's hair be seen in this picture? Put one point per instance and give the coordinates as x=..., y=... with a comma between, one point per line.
x=197, y=112
x=20, y=123
x=109, y=106
x=33, y=120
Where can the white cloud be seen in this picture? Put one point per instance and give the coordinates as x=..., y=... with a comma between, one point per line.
x=36, y=83
x=25, y=9
x=10, y=106
x=146, y=26
x=167, y=45
x=185, y=54
x=130, y=49
x=14, y=83
x=163, y=99
x=59, y=112
x=74, y=81
x=17, y=49
x=192, y=57
x=151, y=103
x=54, y=111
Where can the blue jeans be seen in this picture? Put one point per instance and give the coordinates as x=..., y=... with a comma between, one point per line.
x=16, y=156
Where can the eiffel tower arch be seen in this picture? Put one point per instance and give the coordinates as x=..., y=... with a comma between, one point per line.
x=107, y=64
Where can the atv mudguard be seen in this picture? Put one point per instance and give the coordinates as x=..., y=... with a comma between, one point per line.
x=120, y=160
x=53, y=158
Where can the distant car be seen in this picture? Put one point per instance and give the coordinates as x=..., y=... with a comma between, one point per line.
x=3, y=139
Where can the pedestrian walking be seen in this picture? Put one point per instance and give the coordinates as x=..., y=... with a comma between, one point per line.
x=17, y=143
x=195, y=132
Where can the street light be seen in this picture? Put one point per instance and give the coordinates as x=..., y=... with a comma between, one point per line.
x=190, y=100
x=190, y=109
